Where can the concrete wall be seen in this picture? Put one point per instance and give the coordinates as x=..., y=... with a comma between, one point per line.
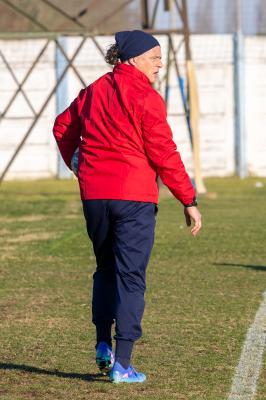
x=213, y=58
x=256, y=105
x=38, y=158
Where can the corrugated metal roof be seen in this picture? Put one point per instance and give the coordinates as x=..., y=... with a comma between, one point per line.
x=216, y=16
x=68, y=15
x=223, y=16
x=107, y=16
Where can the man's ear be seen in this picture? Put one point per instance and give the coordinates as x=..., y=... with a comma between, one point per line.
x=132, y=61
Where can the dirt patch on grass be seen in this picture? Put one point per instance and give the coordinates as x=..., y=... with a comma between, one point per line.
x=24, y=218
x=32, y=218
x=29, y=309
x=73, y=207
x=6, y=308
x=37, y=218
x=32, y=237
x=7, y=252
x=4, y=232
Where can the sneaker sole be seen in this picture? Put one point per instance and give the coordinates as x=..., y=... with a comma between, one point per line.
x=104, y=365
x=117, y=380
x=124, y=381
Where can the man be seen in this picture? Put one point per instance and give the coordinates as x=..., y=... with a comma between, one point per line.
x=119, y=125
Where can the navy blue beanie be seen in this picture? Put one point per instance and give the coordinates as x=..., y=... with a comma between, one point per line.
x=134, y=43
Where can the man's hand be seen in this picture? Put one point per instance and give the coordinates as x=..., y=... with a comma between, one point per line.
x=192, y=213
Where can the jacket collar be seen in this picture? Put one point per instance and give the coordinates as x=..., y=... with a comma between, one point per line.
x=130, y=70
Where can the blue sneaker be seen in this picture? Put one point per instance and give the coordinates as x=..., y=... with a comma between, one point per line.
x=120, y=374
x=104, y=357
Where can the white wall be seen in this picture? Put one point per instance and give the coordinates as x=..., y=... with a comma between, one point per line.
x=256, y=105
x=213, y=58
x=38, y=156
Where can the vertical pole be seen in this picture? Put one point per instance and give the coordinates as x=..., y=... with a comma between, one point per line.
x=239, y=97
x=166, y=95
x=154, y=13
x=167, y=5
x=61, y=100
x=193, y=99
x=145, y=14
x=184, y=18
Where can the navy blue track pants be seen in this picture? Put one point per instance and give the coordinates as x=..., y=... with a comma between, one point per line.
x=122, y=233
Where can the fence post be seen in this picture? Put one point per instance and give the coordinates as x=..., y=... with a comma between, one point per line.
x=61, y=100
x=239, y=99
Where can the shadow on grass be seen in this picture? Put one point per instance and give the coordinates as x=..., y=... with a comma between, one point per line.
x=71, y=375
x=255, y=267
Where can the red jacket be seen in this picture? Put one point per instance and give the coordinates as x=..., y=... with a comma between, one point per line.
x=119, y=123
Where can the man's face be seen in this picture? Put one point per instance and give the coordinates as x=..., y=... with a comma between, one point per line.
x=149, y=63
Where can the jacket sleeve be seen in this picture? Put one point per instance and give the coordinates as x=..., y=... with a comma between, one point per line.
x=67, y=129
x=162, y=151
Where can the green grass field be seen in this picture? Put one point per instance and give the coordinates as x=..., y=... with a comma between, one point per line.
x=203, y=294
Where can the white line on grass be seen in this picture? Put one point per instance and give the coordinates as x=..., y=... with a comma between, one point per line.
x=248, y=370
